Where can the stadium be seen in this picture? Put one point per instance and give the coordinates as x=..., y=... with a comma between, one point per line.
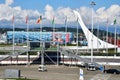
x=40, y=40
x=53, y=47
x=21, y=37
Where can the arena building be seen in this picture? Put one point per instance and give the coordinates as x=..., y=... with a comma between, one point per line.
x=22, y=36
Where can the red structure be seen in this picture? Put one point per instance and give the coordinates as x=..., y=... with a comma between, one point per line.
x=112, y=40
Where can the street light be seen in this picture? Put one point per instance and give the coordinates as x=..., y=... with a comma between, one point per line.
x=92, y=5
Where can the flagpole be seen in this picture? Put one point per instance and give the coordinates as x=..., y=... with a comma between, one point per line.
x=97, y=32
x=53, y=40
x=88, y=40
x=115, y=39
x=53, y=29
x=107, y=37
x=41, y=23
x=43, y=44
x=13, y=34
x=98, y=37
x=115, y=33
x=27, y=40
x=40, y=29
x=77, y=35
x=66, y=31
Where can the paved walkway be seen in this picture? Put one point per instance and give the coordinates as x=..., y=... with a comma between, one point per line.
x=101, y=77
x=59, y=73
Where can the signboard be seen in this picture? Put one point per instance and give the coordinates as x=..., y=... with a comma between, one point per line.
x=102, y=68
x=67, y=37
x=81, y=75
x=12, y=73
x=57, y=37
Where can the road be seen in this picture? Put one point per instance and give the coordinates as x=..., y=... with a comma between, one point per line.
x=59, y=73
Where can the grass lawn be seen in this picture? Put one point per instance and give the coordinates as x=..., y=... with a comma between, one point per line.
x=52, y=48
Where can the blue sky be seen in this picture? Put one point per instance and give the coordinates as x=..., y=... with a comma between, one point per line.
x=40, y=4
x=59, y=9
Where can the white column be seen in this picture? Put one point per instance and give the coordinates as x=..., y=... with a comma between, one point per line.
x=92, y=39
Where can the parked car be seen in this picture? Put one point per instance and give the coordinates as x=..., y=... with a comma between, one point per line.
x=113, y=71
x=84, y=65
x=91, y=67
x=42, y=68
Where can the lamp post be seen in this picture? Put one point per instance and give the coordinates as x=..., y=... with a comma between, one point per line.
x=92, y=5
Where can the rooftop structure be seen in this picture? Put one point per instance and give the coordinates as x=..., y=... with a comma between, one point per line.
x=98, y=43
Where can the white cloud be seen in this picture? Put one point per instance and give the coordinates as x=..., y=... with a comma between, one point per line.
x=18, y=8
x=9, y=2
x=86, y=14
x=49, y=12
x=110, y=13
x=59, y=14
x=6, y=13
x=66, y=12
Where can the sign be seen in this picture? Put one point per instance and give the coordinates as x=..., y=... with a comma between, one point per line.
x=81, y=75
x=67, y=37
x=102, y=68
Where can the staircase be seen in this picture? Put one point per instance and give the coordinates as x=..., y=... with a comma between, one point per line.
x=72, y=53
x=3, y=57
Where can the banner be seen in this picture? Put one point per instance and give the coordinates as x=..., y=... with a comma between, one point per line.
x=67, y=37
x=81, y=75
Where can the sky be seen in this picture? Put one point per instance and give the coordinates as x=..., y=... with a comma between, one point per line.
x=103, y=10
